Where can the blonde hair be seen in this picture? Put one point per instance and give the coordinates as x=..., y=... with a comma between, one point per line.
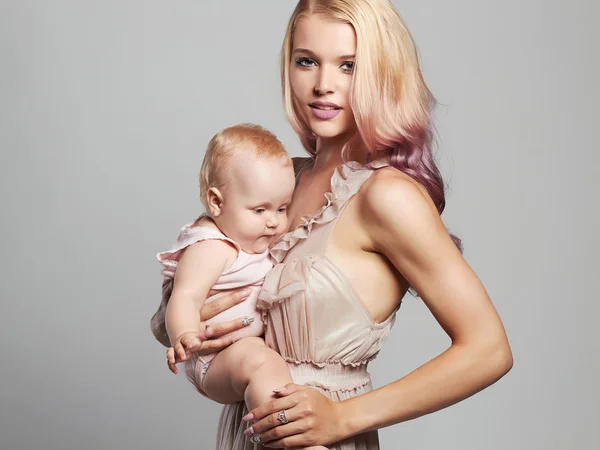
x=222, y=146
x=390, y=101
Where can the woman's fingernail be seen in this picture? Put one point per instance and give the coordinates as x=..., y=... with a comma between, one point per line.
x=248, y=417
x=245, y=293
x=279, y=390
x=247, y=320
x=249, y=431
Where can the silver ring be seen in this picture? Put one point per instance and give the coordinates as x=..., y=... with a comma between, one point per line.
x=282, y=417
x=247, y=321
x=255, y=439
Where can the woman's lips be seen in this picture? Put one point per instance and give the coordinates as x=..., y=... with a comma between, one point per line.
x=324, y=110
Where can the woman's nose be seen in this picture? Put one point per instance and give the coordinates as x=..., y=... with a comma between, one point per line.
x=324, y=83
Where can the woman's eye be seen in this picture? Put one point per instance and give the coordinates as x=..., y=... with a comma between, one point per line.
x=304, y=62
x=348, y=66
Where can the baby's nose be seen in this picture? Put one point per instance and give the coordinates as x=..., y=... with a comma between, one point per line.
x=272, y=222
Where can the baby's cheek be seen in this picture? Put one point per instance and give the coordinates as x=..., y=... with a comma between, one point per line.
x=283, y=224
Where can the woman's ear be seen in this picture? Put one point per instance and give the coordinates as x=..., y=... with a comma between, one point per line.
x=214, y=200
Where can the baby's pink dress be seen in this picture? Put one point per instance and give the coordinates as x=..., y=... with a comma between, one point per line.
x=248, y=270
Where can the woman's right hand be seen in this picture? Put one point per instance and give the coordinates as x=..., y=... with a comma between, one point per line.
x=213, y=332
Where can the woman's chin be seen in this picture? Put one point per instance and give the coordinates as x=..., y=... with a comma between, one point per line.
x=329, y=129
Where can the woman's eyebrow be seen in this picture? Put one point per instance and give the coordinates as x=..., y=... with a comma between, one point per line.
x=304, y=50
x=309, y=52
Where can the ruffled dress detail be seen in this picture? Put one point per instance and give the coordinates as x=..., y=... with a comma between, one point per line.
x=314, y=318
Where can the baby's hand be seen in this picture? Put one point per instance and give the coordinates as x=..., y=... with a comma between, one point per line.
x=183, y=348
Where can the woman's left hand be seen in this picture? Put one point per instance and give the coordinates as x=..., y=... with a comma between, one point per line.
x=312, y=418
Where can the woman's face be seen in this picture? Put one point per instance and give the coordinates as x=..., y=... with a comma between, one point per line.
x=321, y=67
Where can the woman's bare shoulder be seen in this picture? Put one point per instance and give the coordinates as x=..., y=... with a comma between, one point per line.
x=392, y=187
x=390, y=198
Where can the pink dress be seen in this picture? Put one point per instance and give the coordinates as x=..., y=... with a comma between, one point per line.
x=315, y=319
x=248, y=270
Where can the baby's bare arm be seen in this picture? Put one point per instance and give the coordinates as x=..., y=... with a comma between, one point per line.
x=197, y=271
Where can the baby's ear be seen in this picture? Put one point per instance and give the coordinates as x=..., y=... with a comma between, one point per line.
x=214, y=200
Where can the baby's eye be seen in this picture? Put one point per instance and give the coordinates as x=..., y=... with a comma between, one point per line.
x=282, y=210
x=259, y=210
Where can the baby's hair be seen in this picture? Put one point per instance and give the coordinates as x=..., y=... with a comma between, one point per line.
x=225, y=142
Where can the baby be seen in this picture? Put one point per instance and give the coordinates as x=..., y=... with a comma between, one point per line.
x=246, y=183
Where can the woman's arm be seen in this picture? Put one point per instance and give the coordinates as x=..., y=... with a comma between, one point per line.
x=404, y=226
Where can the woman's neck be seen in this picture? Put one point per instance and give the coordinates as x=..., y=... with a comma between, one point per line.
x=329, y=154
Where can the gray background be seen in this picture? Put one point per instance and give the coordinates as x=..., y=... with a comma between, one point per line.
x=105, y=110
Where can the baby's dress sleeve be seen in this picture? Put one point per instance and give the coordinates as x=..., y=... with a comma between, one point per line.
x=169, y=259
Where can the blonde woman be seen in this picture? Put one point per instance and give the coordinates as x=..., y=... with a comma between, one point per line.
x=365, y=228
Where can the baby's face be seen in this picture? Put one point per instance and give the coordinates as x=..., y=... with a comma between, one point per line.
x=256, y=196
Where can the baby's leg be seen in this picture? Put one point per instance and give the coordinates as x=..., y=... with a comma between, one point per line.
x=247, y=370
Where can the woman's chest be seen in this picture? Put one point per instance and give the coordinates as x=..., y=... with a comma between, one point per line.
x=308, y=199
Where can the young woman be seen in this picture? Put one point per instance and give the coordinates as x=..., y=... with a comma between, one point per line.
x=365, y=227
